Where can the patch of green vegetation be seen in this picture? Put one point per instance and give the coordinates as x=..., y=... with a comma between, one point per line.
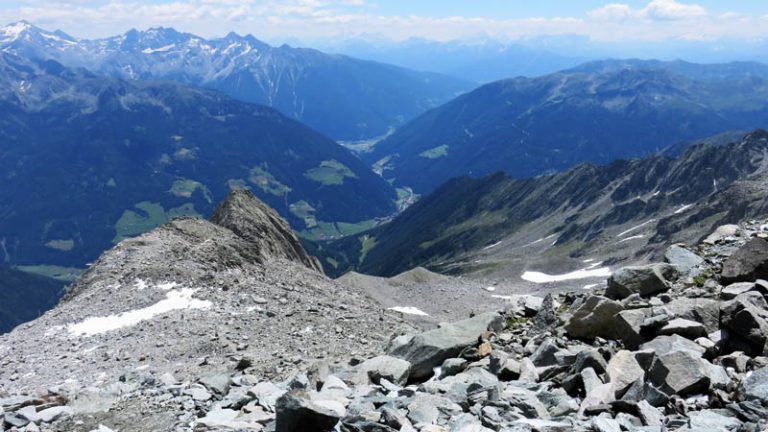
x=64, y=274
x=111, y=182
x=305, y=211
x=435, y=153
x=61, y=245
x=132, y=223
x=330, y=230
x=516, y=321
x=332, y=262
x=381, y=165
x=702, y=278
x=366, y=244
x=185, y=188
x=165, y=159
x=330, y=173
x=267, y=182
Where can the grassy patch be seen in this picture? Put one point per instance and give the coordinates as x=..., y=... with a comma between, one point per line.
x=185, y=188
x=237, y=184
x=435, y=153
x=330, y=173
x=65, y=274
x=366, y=244
x=111, y=182
x=133, y=223
x=61, y=245
x=267, y=182
x=332, y=262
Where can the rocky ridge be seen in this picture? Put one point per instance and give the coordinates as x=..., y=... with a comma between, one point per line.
x=679, y=345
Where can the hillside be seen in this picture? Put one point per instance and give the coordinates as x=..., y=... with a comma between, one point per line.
x=89, y=161
x=619, y=213
x=342, y=97
x=24, y=297
x=596, y=113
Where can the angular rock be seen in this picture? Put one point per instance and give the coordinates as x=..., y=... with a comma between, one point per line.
x=628, y=326
x=747, y=264
x=390, y=368
x=704, y=311
x=680, y=372
x=649, y=415
x=756, y=385
x=710, y=420
x=666, y=344
x=600, y=395
x=52, y=414
x=545, y=353
x=594, y=318
x=605, y=424
x=747, y=316
x=430, y=349
x=644, y=280
x=734, y=289
x=722, y=232
x=295, y=412
x=526, y=401
x=427, y=409
x=590, y=358
x=685, y=328
x=682, y=259
x=623, y=370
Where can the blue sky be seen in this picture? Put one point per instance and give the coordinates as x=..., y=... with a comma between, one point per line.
x=599, y=20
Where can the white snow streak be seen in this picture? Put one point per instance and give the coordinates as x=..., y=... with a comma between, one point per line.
x=636, y=227
x=635, y=237
x=409, y=310
x=161, y=49
x=492, y=246
x=683, y=208
x=180, y=299
x=538, y=277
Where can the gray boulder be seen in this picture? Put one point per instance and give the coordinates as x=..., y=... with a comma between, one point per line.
x=722, y=232
x=666, y=344
x=680, y=372
x=644, y=280
x=390, y=368
x=705, y=311
x=623, y=370
x=628, y=326
x=430, y=349
x=747, y=264
x=756, y=385
x=685, y=328
x=595, y=317
x=682, y=259
x=747, y=317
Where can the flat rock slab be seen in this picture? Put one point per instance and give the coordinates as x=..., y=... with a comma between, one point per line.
x=748, y=263
x=644, y=280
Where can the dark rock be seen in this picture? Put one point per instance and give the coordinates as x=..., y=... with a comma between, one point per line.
x=685, y=328
x=545, y=353
x=705, y=311
x=747, y=316
x=594, y=318
x=628, y=326
x=666, y=344
x=644, y=280
x=546, y=316
x=747, y=264
x=295, y=412
x=680, y=372
x=590, y=358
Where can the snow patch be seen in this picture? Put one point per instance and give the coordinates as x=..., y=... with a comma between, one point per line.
x=590, y=286
x=622, y=234
x=492, y=246
x=634, y=237
x=13, y=31
x=409, y=310
x=167, y=286
x=175, y=300
x=140, y=284
x=490, y=289
x=161, y=49
x=683, y=208
x=538, y=277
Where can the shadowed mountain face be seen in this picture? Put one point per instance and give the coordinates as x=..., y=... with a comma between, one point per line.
x=342, y=97
x=596, y=113
x=618, y=212
x=24, y=297
x=87, y=161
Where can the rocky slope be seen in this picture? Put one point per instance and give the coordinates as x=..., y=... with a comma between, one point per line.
x=527, y=127
x=589, y=216
x=192, y=297
x=345, y=98
x=92, y=160
x=678, y=346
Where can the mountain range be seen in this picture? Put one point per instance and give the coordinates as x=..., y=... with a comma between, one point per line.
x=623, y=212
x=342, y=97
x=88, y=161
x=596, y=113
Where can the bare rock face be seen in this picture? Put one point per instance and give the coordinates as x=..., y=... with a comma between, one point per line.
x=254, y=221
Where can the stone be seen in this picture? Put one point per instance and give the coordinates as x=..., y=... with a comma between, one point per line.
x=747, y=316
x=734, y=289
x=29, y=413
x=528, y=372
x=467, y=423
x=650, y=415
x=680, y=372
x=685, y=328
x=682, y=259
x=218, y=418
x=594, y=318
x=644, y=280
x=452, y=366
x=52, y=414
x=756, y=385
x=600, y=395
x=605, y=424
x=16, y=420
x=526, y=401
x=711, y=420
x=702, y=310
x=746, y=264
x=590, y=358
x=427, y=409
x=390, y=368
x=623, y=370
x=665, y=344
x=546, y=316
x=545, y=353
x=394, y=418
x=628, y=326
x=295, y=412
x=722, y=232
x=590, y=379
x=198, y=393
x=266, y=394
x=218, y=383
x=430, y=349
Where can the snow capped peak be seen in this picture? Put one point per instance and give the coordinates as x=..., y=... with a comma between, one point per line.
x=23, y=29
x=14, y=31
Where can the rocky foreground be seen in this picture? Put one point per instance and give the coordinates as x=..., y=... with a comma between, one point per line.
x=680, y=345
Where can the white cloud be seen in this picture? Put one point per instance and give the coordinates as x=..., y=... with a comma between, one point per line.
x=673, y=10
x=613, y=11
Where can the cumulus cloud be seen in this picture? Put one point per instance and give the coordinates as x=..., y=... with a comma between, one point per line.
x=660, y=10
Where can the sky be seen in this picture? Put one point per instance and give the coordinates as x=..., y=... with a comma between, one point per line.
x=273, y=20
